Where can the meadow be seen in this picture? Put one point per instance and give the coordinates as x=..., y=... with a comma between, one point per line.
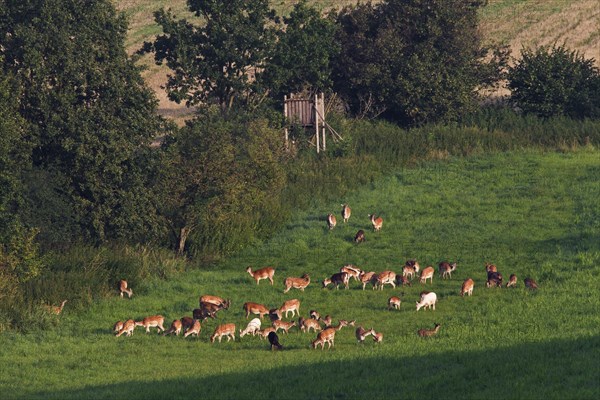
x=532, y=213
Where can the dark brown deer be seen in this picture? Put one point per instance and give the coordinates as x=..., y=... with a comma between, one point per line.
x=359, y=237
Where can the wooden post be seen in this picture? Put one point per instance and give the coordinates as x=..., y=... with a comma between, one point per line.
x=285, y=114
x=317, y=122
x=322, y=114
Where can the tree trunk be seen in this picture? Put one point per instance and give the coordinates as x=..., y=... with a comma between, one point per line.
x=183, y=235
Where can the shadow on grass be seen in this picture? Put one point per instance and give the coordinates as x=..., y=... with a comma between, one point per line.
x=556, y=369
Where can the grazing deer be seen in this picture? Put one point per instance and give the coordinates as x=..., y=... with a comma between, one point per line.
x=118, y=326
x=512, y=281
x=337, y=279
x=314, y=314
x=175, y=328
x=186, y=323
x=154, y=321
x=490, y=268
x=274, y=314
x=194, y=329
x=414, y=264
x=352, y=271
x=360, y=236
x=427, y=273
x=377, y=222
x=216, y=300
x=386, y=277
x=274, y=341
x=290, y=305
x=207, y=310
x=307, y=324
x=224, y=330
x=493, y=282
x=377, y=337
x=327, y=321
x=253, y=328
x=394, y=302
x=362, y=334
x=428, y=300
x=327, y=336
x=265, y=332
x=255, y=308
x=446, y=269
x=347, y=323
x=296, y=283
x=331, y=221
x=408, y=272
x=284, y=326
x=402, y=280
x=346, y=212
x=368, y=277
x=530, y=284
x=467, y=287
x=429, y=332
x=56, y=309
x=123, y=288
x=263, y=273
x=127, y=328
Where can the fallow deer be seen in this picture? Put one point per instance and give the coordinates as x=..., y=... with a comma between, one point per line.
x=207, y=310
x=224, y=330
x=327, y=336
x=263, y=273
x=274, y=314
x=386, y=277
x=490, y=268
x=255, y=308
x=127, y=328
x=314, y=314
x=56, y=309
x=352, y=270
x=194, y=329
x=446, y=269
x=123, y=288
x=408, y=272
x=253, y=328
x=402, y=280
x=283, y=325
x=175, y=328
x=331, y=221
x=427, y=273
x=290, y=305
x=265, y=332
x=413, y=263
x=118, y=326
x=186, y=323
x=377, y=222
x=512, y=281
x=154, y=321
x=296, y=283
x=467, y=287
x=360, y=236
x=337, y=279
x=327, y=321
x=377, y=337
x=394, y=303
x=274, y=341
x=530, y=284
x=216, y=300
x=493, y=282
x=429, y=332
x=362, y=334
x=307, y=324
x=428, y=300
x=346, y=212
x=368, y=277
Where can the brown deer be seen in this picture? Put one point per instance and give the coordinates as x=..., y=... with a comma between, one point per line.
x=427, y=273
x=446, y=269
x=284, y=326
x=337, y=279
x=154, y=321
x=118, y=326
x=494, y=281
x=360, y=236
x=296, y=283
x=327, y=321
x=123, y=288
x=408, y=271
x=386, y=277
x=252, y=328
x=216, y=300
x=175, y=328
x=362, y=334
x=394, y=303
x=127, y=328
x=265, y=332
x=413, y=263
x=352, y=270
x=307, y=324
x=186, y=323
x=377, y=337
x=512, y=281
x=263, y=273
x=331, y=221
x=429, y=332
x=224, y=330
x=377, y=222
x=56, y=309
x=290, y=305
x=530, y=284
x=467, y=287
x=255, y=308
x=207, y=310
x=490, y=268
x=327, y=336
x=346, y=212
x=402, y=280
x=194, y=329
x=368, y=277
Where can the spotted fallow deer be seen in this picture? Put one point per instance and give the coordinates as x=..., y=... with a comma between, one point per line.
x=283, y=325
x=314, y=314
x=377, y=222
x=290, y=305
x=446, y=269
x=265, y=332
x=377, y=337
x=413, y=263
x=224, y=330
x=263, y=273
x=361, y=334
x=307, y=324
x=216, y=300
x=368, y=277
x=255, y=308
x=118, y=326
x=127, y=328
x=427, y=273
x=512, y=281
x=56, y=309
x=408, y=271
x=352, y=270
x=429, y=332
x=186, y=323
x=346, y=212
x=124, y=289
x=331, y=221
x=386, y=278
x=467, y=287
x=490, y=268
x=151, y=322
x=394, y=303
x=194, y=329
x=327, y=336
x=174, y=329
x=296, y=283
x=337, y=279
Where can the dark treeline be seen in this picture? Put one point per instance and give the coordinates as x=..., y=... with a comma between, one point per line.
x=78, y=175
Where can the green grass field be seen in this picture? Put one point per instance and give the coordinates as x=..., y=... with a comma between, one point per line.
x=531, y=213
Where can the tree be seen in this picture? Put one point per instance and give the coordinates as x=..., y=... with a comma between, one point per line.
x=90, y=116
x=215, y=63
x=555, y=81
x=415, y=61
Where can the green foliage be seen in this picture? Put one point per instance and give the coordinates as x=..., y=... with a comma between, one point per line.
x=413, y=61
x=212, y=64
x=556, y=82
x=90, y=117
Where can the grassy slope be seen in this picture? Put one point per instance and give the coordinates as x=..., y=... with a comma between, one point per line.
x=532, y=214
